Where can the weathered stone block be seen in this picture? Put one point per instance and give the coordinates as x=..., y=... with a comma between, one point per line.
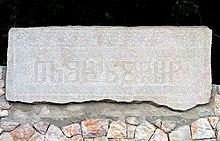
x=166, y=65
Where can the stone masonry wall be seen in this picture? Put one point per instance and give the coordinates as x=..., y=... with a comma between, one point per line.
x=107, y=120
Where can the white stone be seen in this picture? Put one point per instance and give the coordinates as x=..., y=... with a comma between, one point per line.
x=201, y=129
x=144, y=131
x=181, y=134
x=132, y=120
x=6, y=137
x=165, y=64
x=3, y=113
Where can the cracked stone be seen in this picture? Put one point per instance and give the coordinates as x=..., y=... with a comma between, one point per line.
x=201, y=129
x=117, y=129
x=41, y=127
x=92, y=128
x=181, y=134
x=37, y=137
x=130, y=131
x=166, y=125
x=1, y=130
x=144, y=131
x=72, y=130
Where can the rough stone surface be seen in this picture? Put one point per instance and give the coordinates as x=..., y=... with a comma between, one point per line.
x=130, y=131
x=22, y=132
x=77, y=138
x=165, y=125
x=2, y=91
x=101, y=139
x=37, y=137
x=159, y=135
x=117, y=129
x=181, y=134
x=41, y=127
x=218, y=131
x=201, y=129
x=6, y=137
x=2, y=83
x=54, y=134
x=213, y=121
x=8, y=125
x=167, y=65
x=3, y=113
x=1, y=130
x=132, y=120
x=144, y=131
x=72, y=130
x=2, y=72
x=94, y=128
x=4, y=104
x=217, y=104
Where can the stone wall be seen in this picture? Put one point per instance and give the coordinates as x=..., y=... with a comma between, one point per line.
x=107, y=120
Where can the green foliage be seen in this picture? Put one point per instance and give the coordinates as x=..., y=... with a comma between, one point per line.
x=184, y=8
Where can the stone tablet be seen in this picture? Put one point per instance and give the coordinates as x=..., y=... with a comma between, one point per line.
x=165, y=65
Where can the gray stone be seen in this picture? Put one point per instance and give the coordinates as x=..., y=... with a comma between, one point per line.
x=166, y=65
x=4, y=104
x=8, y=125
x=2, y=83
x=2, y=72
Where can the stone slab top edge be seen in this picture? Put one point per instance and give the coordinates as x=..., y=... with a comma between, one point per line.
x=110, y=27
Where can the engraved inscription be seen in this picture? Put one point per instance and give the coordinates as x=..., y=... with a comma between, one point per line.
x=118, y=71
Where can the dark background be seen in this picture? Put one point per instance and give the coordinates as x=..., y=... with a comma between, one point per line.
x=31, y=13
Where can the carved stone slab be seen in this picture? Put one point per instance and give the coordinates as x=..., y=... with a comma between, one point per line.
x=166, y=65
